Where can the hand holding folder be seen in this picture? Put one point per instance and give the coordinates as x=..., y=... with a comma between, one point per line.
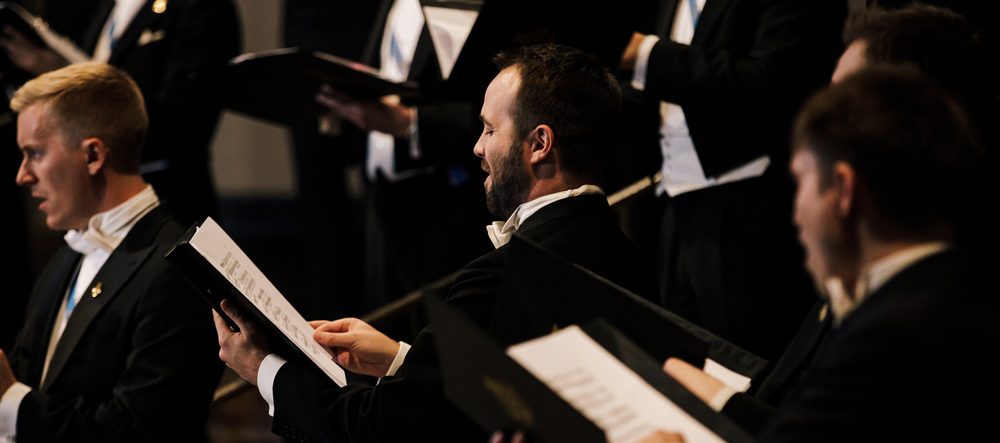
x=211, y=261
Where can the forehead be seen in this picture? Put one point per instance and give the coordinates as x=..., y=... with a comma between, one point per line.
x=803, y=160
x=502, y=90
x=37, y=122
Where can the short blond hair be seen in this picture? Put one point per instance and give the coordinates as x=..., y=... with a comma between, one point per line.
x=92, y=100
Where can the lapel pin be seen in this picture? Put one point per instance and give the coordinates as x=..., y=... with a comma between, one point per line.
x=96, y=290
x=159, y=6
x=823, y=312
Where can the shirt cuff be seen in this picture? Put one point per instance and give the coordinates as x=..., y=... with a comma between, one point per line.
x=266, y=374
x=9, y=404
x=642, y=62
x=398, y=361
x=721, y=398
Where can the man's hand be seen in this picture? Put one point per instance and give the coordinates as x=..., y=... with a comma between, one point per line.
x=28, y=56
x=7, y=378
x=631, y=52
x=242, y=351
x=695, y=380
x=386, y=115
x=356, y=345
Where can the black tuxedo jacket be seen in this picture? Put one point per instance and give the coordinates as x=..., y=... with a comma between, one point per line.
x=138, y=362
x=752, y=412
x=411, y=405
x=747, y=70
x=169, y=54
x=906, y=365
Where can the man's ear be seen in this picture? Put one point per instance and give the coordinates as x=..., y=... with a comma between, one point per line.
x=541, y=141
x=97, y=154
x=845, y=181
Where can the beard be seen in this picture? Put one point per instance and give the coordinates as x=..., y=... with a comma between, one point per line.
x=509, y=185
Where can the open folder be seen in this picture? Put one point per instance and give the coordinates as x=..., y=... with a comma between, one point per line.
x=588, y=384
x=220, y=270
x=542, y=291
x=280, y=85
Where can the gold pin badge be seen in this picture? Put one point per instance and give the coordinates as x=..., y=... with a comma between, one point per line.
x=96, y=290
x=159, y=6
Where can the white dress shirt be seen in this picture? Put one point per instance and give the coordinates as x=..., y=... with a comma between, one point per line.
x=682, y=170
x=105, y=231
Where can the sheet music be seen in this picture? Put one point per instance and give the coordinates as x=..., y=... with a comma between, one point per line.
x=603, y=389
x=731, y=378
x=449, y=29
x=222, y=252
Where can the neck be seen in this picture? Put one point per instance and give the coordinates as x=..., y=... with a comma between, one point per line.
x=874, y=248
x=117, y=189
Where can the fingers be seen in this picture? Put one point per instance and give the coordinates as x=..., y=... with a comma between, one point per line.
x=675, y=367
x=236, y=315
x=317, y=323
x=335, y=339
x=340, y=325
x=221, y=328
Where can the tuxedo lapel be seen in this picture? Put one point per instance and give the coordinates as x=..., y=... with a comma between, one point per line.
x=665, y=18
x=144, y=21
x=710, y=18
x=372, y=56
x=93, y=33
x=803, y=346
x=50, y=292
x=106, y=285
x=423, y=55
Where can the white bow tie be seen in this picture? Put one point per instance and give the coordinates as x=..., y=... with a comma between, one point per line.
x=89, y=241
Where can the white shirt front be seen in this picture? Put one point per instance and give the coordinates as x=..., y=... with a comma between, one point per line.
x=121, y=16
x=399, y=44
x=682, y=170
x=105, y=231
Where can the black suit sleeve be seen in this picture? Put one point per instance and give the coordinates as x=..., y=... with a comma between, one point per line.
x=408, y=405
x=164, y=387
x=757, y=62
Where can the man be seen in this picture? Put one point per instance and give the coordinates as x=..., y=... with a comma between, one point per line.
x=548, y=119
x=940, y=44
x=879, y=240
x=724, y=78
x=414, y=162
x=169, y=48
x=116, y=345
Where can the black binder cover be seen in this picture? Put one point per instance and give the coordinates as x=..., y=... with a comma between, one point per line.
x=214, y=288
x=280, y=85
x=498, y=393
x=541, y=290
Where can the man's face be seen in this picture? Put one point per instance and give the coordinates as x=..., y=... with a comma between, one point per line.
x=55, y=170
x=500, y=147
x=851, y=61
x=821, y=231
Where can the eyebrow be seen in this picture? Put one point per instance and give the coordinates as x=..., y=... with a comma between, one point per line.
x=483, y=119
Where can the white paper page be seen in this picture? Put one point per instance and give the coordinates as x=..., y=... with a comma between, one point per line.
x=603, y=389
x=731, y=378
x=449, y=29
x=215, y=245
